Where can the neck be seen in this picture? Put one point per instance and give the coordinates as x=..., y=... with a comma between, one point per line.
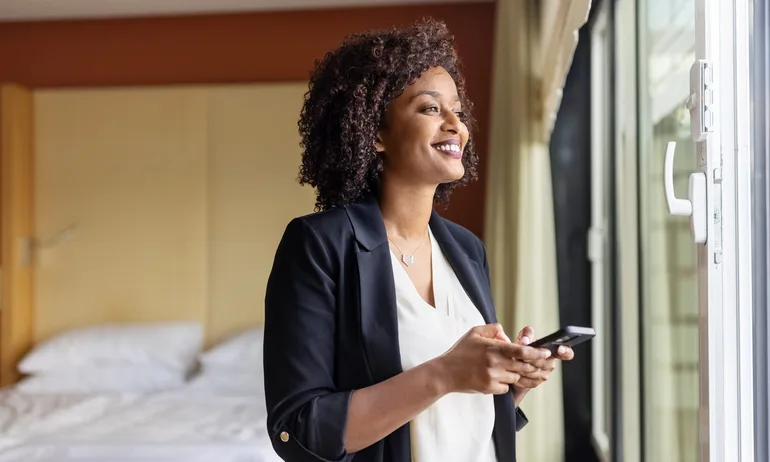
x=406, y=209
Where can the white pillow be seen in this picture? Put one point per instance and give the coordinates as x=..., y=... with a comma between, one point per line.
x=122, y=379
x=173, y=345
x=243, y=350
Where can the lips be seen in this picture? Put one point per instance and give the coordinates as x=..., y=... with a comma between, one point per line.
x=451, y=147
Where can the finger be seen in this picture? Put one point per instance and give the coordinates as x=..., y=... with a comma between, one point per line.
x=508, y=377
x=491, y=331
x=514, y=365
x=526, y=335
x=500, y=388
x=565, y=353
x=538, y=374
x=544, y=364
x=500, y=335
x=523, y=352
x=525, y=382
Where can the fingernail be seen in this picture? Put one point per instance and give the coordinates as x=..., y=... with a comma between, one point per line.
x=547, y=354
x=562, y=350
x=525, y=340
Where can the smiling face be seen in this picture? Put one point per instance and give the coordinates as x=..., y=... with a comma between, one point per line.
x=424, y=138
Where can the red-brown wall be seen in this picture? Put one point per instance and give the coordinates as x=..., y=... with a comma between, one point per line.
x=258, y=47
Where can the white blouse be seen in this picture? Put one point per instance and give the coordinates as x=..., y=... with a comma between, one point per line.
x=458, y=427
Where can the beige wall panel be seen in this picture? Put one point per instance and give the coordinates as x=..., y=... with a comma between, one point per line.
x=128, y=168
x=254, y=159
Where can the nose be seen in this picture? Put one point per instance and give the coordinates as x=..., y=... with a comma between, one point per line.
x=452, y=123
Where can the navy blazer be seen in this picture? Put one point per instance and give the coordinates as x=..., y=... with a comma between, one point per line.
x=331, y=328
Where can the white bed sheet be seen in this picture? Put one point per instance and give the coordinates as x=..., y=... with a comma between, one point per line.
x=24, y=416
x=179, y=426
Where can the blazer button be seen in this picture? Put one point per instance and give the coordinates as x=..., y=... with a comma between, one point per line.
x=284, y=437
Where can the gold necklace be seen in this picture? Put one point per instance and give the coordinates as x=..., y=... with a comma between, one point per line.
x=407, y=259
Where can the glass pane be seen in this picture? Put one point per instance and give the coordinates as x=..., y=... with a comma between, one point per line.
x=669, y=260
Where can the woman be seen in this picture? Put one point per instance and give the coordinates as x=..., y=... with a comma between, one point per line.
x=381, y=342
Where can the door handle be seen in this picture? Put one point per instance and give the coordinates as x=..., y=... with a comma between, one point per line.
x=695, y=205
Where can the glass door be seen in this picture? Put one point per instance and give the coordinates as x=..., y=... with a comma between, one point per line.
x=694, y=196
x=669, y=263
x=599, y=235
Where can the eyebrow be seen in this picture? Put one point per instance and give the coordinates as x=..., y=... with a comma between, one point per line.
x=432, y=93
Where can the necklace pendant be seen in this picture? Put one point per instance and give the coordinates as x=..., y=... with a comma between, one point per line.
x=407, y=260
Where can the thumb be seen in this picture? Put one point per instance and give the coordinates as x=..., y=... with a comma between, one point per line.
x=526, y=336
x=494, y=331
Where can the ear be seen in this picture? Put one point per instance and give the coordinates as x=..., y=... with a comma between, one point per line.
x=378, y=146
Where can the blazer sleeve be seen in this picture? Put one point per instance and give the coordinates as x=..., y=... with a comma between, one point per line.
x=521, y=418
x=306, y=414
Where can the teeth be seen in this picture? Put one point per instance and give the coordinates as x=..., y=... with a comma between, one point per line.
x=448, y=147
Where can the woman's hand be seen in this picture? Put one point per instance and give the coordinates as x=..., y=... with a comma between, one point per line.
x=543, y=367
x=484, y=360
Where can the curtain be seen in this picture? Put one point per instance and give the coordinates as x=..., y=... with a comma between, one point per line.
x=519, y=227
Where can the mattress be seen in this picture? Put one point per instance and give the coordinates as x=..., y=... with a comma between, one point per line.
x=170, y=426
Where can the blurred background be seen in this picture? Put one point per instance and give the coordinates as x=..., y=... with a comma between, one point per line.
x=149, y=162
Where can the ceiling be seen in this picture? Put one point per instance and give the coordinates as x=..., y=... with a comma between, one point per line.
x=23, y=10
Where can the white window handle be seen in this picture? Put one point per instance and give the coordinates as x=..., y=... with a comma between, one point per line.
x=693, y=207
x=681, y=207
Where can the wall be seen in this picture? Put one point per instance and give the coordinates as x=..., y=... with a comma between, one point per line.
x=179, y=196
x=253, y=193
x=261, y=47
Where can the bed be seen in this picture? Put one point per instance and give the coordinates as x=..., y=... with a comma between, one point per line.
x=169, y=426
x=216, y=413
x=138, y=220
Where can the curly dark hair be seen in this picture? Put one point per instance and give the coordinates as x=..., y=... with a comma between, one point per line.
x=345, y=106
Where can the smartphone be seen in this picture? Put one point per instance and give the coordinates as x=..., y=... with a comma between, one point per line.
x=569, y=336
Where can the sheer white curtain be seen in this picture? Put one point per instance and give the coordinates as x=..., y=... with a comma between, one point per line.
x=519, y=217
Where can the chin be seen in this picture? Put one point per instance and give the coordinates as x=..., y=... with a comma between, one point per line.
x=454, y=175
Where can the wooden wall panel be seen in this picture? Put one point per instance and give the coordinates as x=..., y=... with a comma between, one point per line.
x=127, y=168
x=178, y=204
x=258, y=47
x=253, y=151
x=16, y=180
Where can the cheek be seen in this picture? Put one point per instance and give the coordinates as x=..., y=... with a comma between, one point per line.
x=464, y=137
x=425, y=130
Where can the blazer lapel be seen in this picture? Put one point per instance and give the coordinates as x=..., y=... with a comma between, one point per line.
x=378, y=312
x=377, y=305
x=377, y=291
x=467, y=270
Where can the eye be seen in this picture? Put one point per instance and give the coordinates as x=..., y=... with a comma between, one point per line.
x=460, y=115
x=431, y=109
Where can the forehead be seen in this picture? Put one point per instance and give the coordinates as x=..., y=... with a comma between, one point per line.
x=436, y=82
